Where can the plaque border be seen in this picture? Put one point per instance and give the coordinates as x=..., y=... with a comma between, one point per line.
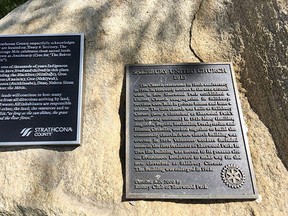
x=244, y=130
x=80, y=94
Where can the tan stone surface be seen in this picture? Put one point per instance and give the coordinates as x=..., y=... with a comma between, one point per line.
x=88, y=180
x=252, y=34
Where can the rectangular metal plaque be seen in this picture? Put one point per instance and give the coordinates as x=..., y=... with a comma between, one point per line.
x=185, y=136
x=40, y=89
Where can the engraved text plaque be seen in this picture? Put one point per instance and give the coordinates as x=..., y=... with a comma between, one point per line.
x=185, y=134
x=40, y=89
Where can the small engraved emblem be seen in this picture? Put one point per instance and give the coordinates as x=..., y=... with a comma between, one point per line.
x=233, y=176
x=26, y=132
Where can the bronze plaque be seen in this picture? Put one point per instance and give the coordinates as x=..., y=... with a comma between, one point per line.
x=185, y=135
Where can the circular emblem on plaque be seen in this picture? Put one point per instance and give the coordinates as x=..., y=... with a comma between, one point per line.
x=233, y=176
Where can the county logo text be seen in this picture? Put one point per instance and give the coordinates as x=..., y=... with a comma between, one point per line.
x=44, y=131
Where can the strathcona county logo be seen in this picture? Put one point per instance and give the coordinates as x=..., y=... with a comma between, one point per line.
x=26, y=132
x=48, y=131
x=45, y=131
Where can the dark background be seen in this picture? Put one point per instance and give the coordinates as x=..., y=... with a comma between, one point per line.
x=8, y=5
x=10, y=130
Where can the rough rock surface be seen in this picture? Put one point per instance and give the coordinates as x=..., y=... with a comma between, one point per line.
x=254, y=35
x=88, y=180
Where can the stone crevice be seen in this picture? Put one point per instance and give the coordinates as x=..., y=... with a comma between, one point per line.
x=191, y=32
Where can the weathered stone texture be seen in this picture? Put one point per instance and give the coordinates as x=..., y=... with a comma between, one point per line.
x=88, y=180
x=254, y=35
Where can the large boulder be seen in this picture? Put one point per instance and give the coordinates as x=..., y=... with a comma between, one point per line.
x=89, y=180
